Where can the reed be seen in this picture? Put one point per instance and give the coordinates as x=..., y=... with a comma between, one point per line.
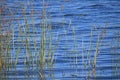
x=4, y=55
x=1, y=53
x=100, y=37
x=50, y=50
x=26, y=45
x=7, y=51
x=34, y=54
x=16, y=61
x=44, y=44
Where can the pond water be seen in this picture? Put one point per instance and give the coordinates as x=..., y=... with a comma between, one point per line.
x=85, y=39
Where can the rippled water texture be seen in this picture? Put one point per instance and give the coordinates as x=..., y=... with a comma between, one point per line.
x=84, y=40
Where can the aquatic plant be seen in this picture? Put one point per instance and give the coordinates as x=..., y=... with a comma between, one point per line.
x=4, y=45
x=4, y=53
x=100, y=37
x=41, y=57
x=45, y=45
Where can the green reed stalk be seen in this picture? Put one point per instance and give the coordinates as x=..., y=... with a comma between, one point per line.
x=16, y=61
x=50, y=50
x=42, y=52
x=50, y=59
x=7, y=52
x=42, y=48
x=27, y=47
x=26, y=43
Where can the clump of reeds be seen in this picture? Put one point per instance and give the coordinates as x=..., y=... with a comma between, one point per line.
x=4, y=53
x=100, y=36
x=46, y=48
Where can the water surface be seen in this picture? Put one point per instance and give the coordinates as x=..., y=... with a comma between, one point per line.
x=74, y=46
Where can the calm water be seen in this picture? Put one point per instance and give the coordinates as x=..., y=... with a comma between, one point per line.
x=74, y=46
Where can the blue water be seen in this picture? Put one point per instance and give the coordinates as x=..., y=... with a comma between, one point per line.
x=71, y=21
